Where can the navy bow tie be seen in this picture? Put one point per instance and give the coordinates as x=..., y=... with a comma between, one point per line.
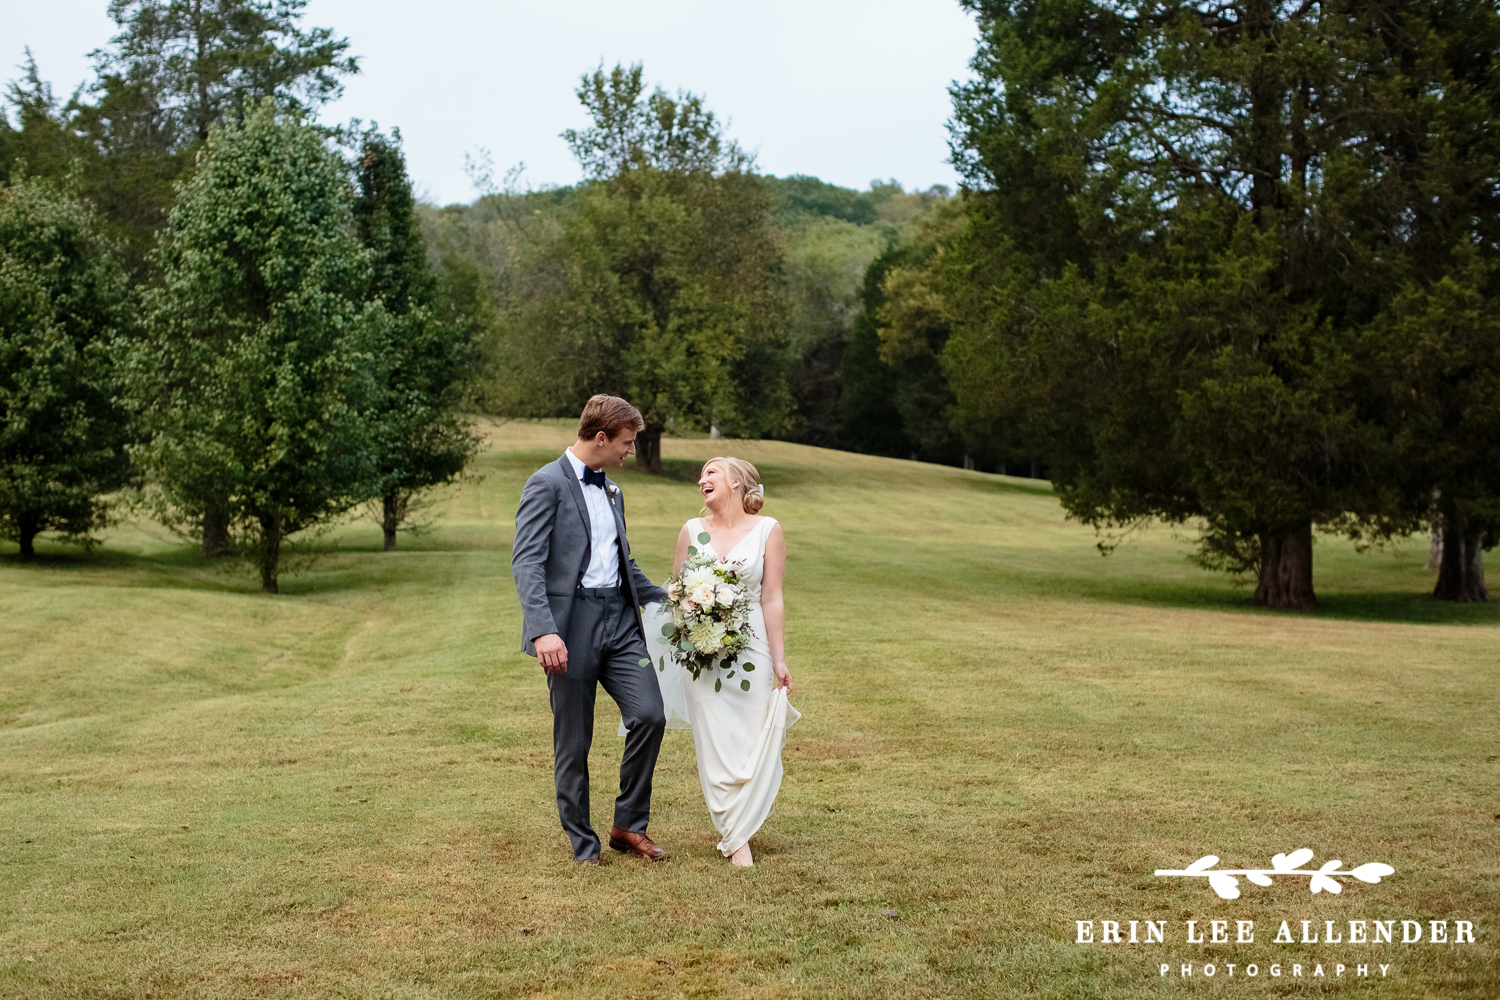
x=593, y=477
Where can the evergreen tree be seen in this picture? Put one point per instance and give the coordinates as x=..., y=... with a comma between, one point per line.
x=259, y=380
x=202, y=62
x=1186, y=218
x=1444, y=357
x=41, y=143
x=422, y=443
x=174, y=69
x=62, y=311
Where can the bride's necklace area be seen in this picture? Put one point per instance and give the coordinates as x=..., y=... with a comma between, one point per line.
x=724, y=552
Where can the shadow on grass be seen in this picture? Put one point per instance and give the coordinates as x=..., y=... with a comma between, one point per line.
x=183, y=568
x=1391, y=607
x=777, y=477
x=1008, y=484
x=178, y=568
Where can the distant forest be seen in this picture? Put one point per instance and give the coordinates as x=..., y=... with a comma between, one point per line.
x=837, y=246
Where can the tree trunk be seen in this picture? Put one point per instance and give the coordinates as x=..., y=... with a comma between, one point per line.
x=1285, y=579
x=1435, y=518
x=648, y=450
x=1435, y=550
x=215, y=532
x=27, y=529
x=270, y=554
x=968, y=461
x=391, y=519
x=1461, y=574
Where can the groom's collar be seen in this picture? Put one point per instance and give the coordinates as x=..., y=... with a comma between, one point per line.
x=576, y=463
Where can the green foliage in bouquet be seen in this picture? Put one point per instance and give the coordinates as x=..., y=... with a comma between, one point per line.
x=710, y=624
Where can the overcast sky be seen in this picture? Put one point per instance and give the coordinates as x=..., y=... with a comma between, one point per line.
x=846, y=90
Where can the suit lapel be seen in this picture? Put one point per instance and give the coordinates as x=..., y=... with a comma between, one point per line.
x=583, y=509
x=619, y=518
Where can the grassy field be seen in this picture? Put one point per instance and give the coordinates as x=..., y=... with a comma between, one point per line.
x=346, y=791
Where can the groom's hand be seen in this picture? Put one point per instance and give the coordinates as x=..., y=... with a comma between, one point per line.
x=553, y=653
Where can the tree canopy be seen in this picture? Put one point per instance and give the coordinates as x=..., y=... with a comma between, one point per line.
x=63, y=316
x=261, y=376
x=419, y=437
x=1186, y=219
x=173, y=69
x=658, y=279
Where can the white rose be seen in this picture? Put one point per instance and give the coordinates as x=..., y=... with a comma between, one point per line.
x=703, y=595
x=727, y=593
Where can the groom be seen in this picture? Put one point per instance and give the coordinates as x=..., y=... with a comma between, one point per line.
x=580, y=596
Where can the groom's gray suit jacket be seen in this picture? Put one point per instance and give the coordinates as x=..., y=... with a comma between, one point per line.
x=552, y=549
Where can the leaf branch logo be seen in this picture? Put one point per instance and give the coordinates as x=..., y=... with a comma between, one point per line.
x=1323, y=879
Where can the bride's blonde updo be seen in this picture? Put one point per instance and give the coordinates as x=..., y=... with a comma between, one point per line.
x=744, y=475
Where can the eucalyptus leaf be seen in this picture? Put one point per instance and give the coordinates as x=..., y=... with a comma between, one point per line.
x=668, y=629
x=744, y=685
x=748, y=667
x=718, y=686
x=704, y=538
x=692, y=550
x=645, y=661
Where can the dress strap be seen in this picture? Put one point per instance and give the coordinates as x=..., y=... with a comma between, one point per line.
x=764, y=528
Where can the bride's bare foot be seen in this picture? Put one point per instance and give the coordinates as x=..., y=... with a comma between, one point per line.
x=741, y=858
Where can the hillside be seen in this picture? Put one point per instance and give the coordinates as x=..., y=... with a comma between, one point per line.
x=347, y=790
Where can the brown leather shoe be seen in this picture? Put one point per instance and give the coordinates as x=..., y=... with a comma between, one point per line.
x=635, y=843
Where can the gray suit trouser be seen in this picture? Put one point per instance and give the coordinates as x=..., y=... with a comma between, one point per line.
x=607, y=626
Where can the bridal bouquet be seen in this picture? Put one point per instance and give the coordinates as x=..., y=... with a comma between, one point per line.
x=710, y=624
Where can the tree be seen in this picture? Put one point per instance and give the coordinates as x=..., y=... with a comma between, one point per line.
x=1445, y=393
x=259, y=378
x=658, y=280
x=174, y=69
x=63, y=305
x=41, y=144
x=422, y=444
x=202, y=62
x=912, y=328
x=1185, y=219
x=825, y=262
x=1442, y=344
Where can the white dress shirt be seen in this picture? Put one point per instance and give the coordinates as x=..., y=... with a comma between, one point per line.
x=604, y=555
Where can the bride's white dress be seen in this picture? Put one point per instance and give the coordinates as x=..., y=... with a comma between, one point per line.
x=738, y=735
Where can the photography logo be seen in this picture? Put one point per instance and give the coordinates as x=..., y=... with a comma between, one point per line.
x=1304, y=948
x=1324, y=879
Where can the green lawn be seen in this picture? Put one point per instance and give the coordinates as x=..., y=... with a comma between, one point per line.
x=346, y=790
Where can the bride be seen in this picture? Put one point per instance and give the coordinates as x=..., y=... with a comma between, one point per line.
x=738, y=735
